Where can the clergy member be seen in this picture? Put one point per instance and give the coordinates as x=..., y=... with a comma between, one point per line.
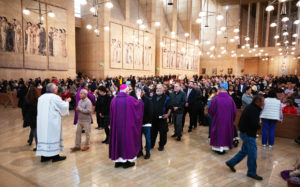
x=49, y=129
x=223, y=112
x=126, y=118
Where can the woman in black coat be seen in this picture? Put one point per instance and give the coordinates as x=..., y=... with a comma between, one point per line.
x=30, y=114
x=102, y=111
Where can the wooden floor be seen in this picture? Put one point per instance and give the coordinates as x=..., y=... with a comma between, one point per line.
x=187, y=163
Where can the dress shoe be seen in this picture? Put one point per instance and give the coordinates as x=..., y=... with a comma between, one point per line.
x=147, y=156
x=74, y=149
x=128, y=164
x=140, y=154
x=178, y=138
x=85, y=148
x=118, y=164
x=34, y=149
x=190, y=130
x=235, y=143
x=256, y=177
x=83, y=131
x=231, y=167
x=45, y=159
x=161, y=148
x=58, y=158
x=220, y=152
x=105, y=141
x=174, y=135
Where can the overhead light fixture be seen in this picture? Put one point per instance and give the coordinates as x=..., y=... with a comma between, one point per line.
x=208, y=53
x=236, y=37
x=183, y=49
x=207, y=42
x=270, y=8
x=273, y=24
x=286, y=42
x=243, y=47
x=202, y=14
x=51, y=14
x=279, y=49
x=26, y=12
x=222, y=47
x=276, y=36
x=186, y=34
x=266, y=54
x=198, y=20
x=298, y=4
x=219, y=32
x=241, y=55
x=146, y=38
x=292, y=53
x=296, y=22
x=298, y=57
x=285, y=33
x=109, y=5
x=157, y=24
x=247, y=45
x=226, y=7
x=254, y=49
x=89, y=27
x=223, y=28
x=295, y=35
x=212, y=48
x=162, y=44
x=139, y=21
x=83, y=2
x=293, y=48
x=261, y=50
x=142, y=26
x=285, y=19
x=278, y=44
x=236, y=30
x=196, y=42
x=247, y=38
x=293, y=43
x=200, y=53
x=96, y=31
x=170, y=2
x=106, y=28
x=92, y=9
x=255, y=46
x=280, y=54
x=231, y=40
x=220, y=17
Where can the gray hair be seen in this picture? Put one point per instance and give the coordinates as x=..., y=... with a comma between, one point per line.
x=50, y=87
x=84, y=91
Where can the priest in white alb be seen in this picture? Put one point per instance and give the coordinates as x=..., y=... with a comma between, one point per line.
x=49, y=129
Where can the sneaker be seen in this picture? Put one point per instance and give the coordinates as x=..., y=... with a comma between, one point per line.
x=45, y=159
x=174, y=135
x=256, y=177
x=230, y=166
x=161, y=148
x=147, y=156
x=74, y=149
x=83, y=131
x=270, y=146
x=58, y=158
x=34, y=149
x=128, y=164
x=85, y=148
x=118, y=164
x=235, y=143
x=264, y=145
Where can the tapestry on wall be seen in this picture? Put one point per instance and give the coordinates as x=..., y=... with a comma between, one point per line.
x=172, y=54
x=115, y=45
x=165, y=52
x=128, y=45
x=148, y=51
x=229, y=71
x=214, y=71
x=180, y=55
x=11, y=49
x=203, y=71
x=138, y=51
x=57, y=38
x=34, y=30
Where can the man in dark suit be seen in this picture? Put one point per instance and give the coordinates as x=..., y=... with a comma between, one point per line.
x=191, y=105
x=242, y=86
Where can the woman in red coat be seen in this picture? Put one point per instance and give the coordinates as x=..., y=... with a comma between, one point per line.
x=289, y=108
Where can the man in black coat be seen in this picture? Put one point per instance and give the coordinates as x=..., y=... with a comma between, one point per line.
x=102, y=111
x=147, y=123
x=248, y=125
x=191, y=105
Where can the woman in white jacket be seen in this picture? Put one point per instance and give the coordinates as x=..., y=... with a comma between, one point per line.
x=270, y=114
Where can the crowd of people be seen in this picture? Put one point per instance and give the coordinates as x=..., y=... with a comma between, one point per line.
x=126, y=108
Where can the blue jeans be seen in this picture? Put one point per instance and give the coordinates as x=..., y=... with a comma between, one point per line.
x=147, y=132
x=248, y=149
x=268, y=128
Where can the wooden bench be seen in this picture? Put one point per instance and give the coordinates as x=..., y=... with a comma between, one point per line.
x=289, y=128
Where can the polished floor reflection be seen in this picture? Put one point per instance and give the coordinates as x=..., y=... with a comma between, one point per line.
x=186, y=163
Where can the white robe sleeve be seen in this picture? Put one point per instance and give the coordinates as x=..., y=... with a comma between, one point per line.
x=61, y=106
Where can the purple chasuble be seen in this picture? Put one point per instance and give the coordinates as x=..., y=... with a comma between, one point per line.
x=92, y=99
x=223, y=112
x=126, y=118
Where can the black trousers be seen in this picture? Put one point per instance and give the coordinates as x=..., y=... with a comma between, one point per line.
x=161, y=126
x=193, y=118
x=185, y=111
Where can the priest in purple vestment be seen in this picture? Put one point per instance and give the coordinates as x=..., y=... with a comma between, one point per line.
x=126, y=118
x=90, y=96
x=223, y=112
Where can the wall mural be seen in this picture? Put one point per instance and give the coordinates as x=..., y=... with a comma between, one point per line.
x=131, y=48
x=11, y=39
x=116, y=46
x=179, y=55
